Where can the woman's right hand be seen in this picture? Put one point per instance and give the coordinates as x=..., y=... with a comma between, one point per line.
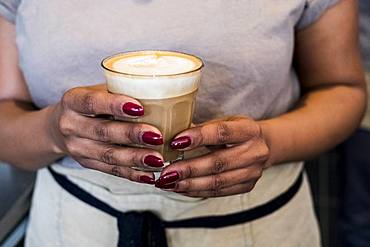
x=80, y=131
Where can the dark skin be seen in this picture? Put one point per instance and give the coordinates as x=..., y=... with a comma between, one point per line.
x=328, y=64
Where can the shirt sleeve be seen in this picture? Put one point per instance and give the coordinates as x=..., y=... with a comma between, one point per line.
x=365, y=32
x=8, y=9
x=313, y=10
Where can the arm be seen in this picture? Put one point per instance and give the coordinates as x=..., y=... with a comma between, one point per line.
x=31, y=138
x=25, y=136
x=330, y=72
x=333, y=101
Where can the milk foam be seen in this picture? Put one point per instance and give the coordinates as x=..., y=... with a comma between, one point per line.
x=147, y=75
x=153, y=65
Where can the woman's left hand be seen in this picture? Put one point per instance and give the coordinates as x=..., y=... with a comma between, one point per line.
x=239, y=156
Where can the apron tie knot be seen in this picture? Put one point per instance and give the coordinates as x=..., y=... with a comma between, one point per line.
x=140, y=229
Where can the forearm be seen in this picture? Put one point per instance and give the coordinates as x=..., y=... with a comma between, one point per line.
x=26, y=137
x=322, y=119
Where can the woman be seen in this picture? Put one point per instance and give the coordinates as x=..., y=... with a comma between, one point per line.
x=249, y=108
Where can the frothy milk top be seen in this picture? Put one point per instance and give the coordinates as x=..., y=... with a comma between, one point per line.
x=153, y=64
x=152, y=74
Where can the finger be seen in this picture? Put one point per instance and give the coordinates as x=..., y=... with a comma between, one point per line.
x=220, y=181
x=119, y=171
x=92, y=101
x=117, y=132
x=233, y=190
x=236, y=157
x=217, y=133
x=115, y=155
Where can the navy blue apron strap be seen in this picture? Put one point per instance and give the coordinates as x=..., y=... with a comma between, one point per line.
x=135, y=229
x=148, y=229
x=240, y=217
x=81, y=194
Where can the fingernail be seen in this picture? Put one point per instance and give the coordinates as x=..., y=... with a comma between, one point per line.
x=181, y=142
x=147, y=180
x=153, y=161
x=168, y=186
x=152, y=138
x=133, y=109
x=166, y=179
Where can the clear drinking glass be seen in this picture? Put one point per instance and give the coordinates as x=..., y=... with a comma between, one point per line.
x=168, y=99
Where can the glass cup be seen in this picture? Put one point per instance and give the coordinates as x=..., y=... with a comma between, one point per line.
x=166, y=84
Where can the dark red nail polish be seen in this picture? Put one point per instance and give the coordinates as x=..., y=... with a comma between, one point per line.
x=168, y=186
x=181, y=142
x=153, y=161
x=133, y=109
x=152, y=138
x=147, y=180
x=166, y=179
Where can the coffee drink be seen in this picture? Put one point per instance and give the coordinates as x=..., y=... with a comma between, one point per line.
x=165, y=83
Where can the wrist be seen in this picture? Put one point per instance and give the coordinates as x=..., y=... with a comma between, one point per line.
x=267, y=135
x=55, y=137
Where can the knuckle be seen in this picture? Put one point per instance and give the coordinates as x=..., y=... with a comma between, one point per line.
x=86, y=164
x=214, y=193
x=223, y=133
x=217, y=183
x=198, y=135
x=130, y=175
x=135, y=157
x=259, y=173
x=67, y=96
x=116, y=171
x=256, y=130
x=64, y=125
x=108, y=156
x=112, y=107
x=88, y=103
x=101, y=131
x=249, y=187
x=219, y=165
x=134, y=132
x=263, y=152
x=185, y=185
x=253, y=174
x=72, y=147
x=253, y=130
x=190, y=171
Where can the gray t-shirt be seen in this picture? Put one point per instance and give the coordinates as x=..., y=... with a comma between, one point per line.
x=247, y=47
x=365, y=49
x=365, y=31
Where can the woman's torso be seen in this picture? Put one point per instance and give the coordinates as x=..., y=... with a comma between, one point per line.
x=247, y=48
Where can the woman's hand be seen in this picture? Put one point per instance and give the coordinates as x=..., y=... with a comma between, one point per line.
x=232, y=169
x=82, y=130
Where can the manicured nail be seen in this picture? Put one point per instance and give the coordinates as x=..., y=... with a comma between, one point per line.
x=147, y=180
x=133, y=109
x=166, y=179
x=181, y=142
x=168, y=186
x=153, y=161
x=152, y=138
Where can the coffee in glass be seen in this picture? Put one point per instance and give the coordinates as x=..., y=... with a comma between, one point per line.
x=165, y=82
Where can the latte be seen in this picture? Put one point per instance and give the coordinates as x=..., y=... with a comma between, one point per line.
x=164, y=82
